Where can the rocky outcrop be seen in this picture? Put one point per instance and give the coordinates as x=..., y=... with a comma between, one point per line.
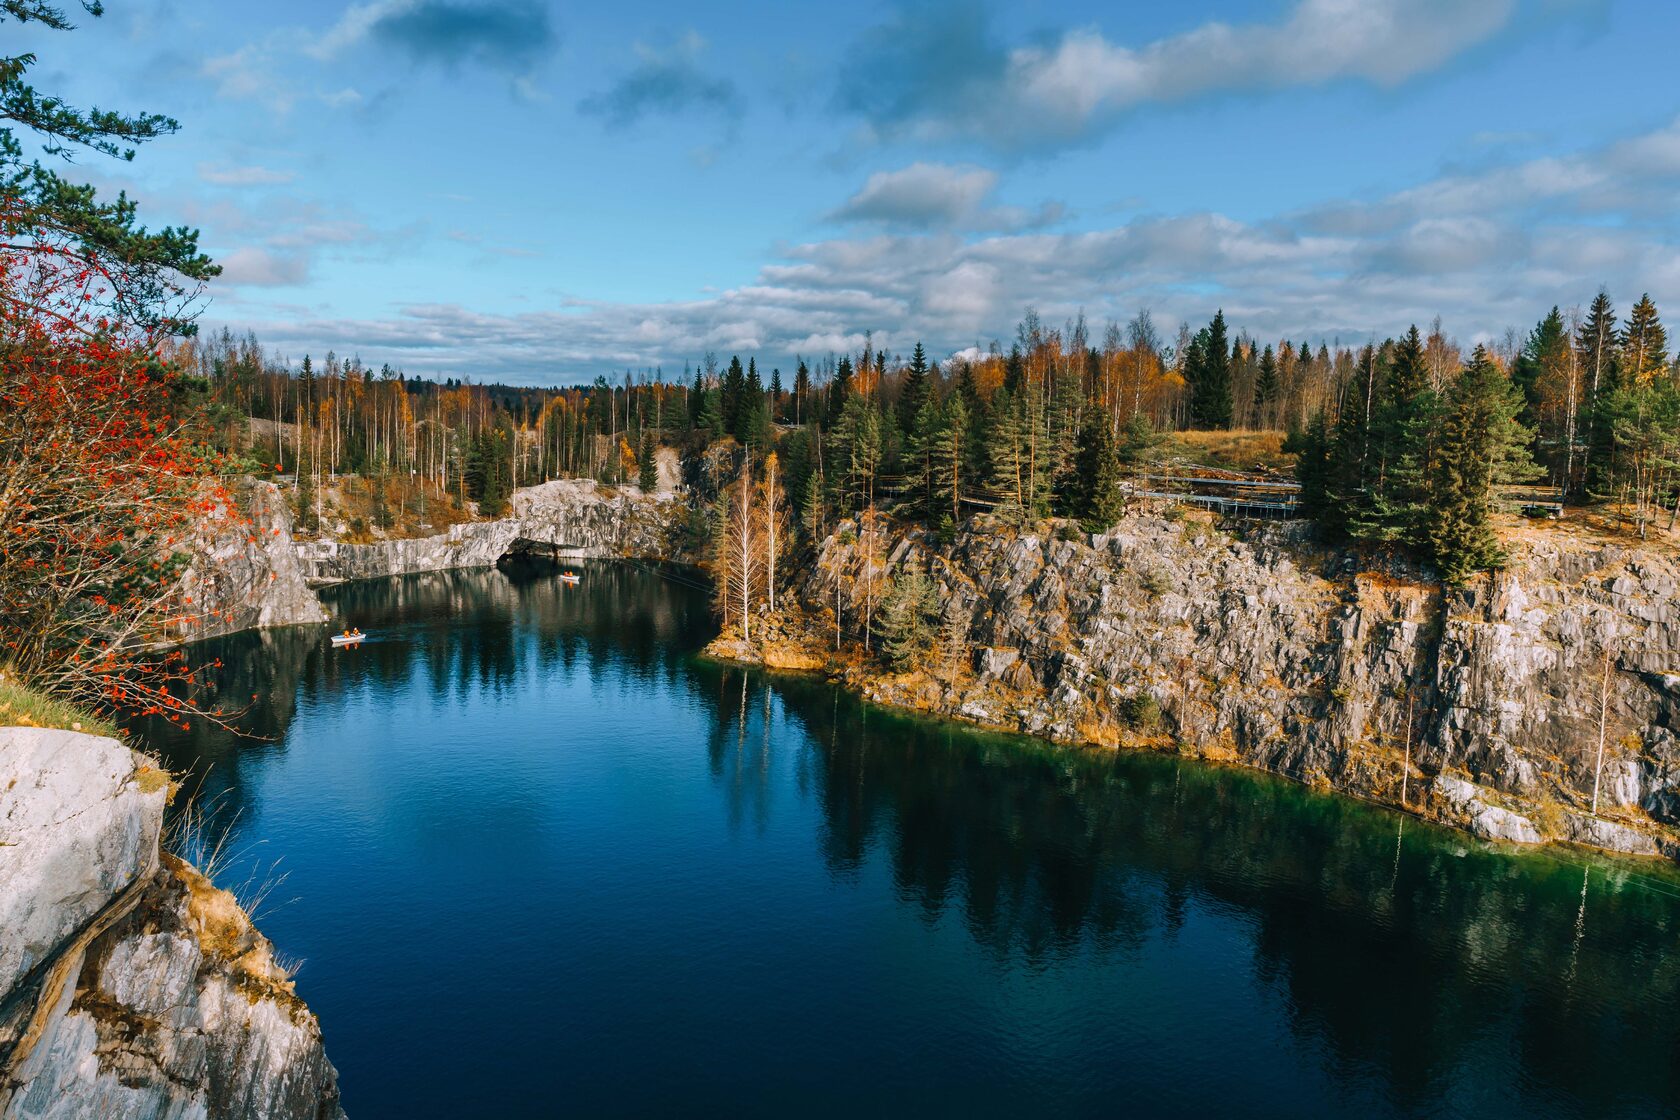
x=130, y=987
x=244, y=572
x=1481, y=706
x=247, y=572
x=569, y=518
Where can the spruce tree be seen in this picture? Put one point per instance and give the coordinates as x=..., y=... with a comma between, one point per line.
x=775, y=393
x=734, y=391
x=802, y=393
x=1313, y=449
x=647, y=462
x=915, y=390
x=1644, y=353
x=1483, y=444
x=1266, y=387
x=839, y=390
x=1393, y=505
x=1097, y=469
x=1210, y=403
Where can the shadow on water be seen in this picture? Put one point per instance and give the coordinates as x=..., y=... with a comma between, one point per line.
x=1428, y=971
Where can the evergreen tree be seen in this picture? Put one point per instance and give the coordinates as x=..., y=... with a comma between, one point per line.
x=1210, y=406
x=915, y=390
x=857, y=450
x=732, y=396
x=1483, y=444
x=1312, y=449
x=696, y=401
x=1644, y=353
x=1266, y=387
x=919, y=467
x=1099, y=502
x=1007, y=455
x=839, y=390
x=802, y=394
x=647, y=461
x=711, y=413
x=1597, y=349
x=1014, y=372
x=776, y=393
x=949, y=459
x=1392, y=507
x=144, y=273
x=908, y=615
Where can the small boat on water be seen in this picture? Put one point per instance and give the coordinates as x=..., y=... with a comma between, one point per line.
x=348, y=638
x=569, y=577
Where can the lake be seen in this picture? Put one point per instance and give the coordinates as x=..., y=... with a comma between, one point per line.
x=541, y=859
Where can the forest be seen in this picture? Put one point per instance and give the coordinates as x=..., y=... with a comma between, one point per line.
x=1399, y=444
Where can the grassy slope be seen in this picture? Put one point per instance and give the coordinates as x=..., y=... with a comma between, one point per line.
x=23, y=707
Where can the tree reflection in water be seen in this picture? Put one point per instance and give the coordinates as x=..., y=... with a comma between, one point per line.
x=1399, y=951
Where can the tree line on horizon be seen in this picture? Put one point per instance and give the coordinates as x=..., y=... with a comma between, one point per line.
x=1585, y=404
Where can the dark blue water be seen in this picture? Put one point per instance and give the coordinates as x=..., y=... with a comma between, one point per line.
x=546, y=862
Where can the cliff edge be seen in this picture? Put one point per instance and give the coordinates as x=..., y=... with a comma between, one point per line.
x=130, y=986
x=1502, y=707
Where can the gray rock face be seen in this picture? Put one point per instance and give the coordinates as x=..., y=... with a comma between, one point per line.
x=566, y=518
x=253, y=576
x=247, y=576
x=130, y=987
x=77, y=827
x=1268, y=649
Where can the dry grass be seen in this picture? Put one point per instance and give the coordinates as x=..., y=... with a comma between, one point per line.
x=1237, y=450
x=24, y=707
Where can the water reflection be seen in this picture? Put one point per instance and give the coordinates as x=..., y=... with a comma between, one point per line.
x=1423, y=972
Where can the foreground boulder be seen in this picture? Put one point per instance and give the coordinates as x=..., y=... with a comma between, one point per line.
x=130, y=986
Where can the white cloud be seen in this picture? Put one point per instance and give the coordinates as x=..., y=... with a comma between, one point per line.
x=225, y=176
x=925, y=196
x=1042, y=95
x=1485, y=251
x=257, y=267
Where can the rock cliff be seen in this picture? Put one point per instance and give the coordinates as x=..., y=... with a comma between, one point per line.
x=248, y=572
x=130, y=986
x=568, y=518
x=244, y=573
x=1480, y=706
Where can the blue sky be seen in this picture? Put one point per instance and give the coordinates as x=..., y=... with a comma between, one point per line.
x=536, y=192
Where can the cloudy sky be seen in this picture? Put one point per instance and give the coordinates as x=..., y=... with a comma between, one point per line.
x=536, y=191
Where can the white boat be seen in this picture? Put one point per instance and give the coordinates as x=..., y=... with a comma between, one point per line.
x=569, y=577
x=348, y=638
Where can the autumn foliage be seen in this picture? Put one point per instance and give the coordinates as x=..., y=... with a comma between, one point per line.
x=100, y=483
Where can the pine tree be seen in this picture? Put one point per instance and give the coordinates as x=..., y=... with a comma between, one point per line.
x=1482, y=445
x=857, y=448
x=907, y=618
x=775, y=394
x=1596, y=347
x=1006, y=455
x=949, y=455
